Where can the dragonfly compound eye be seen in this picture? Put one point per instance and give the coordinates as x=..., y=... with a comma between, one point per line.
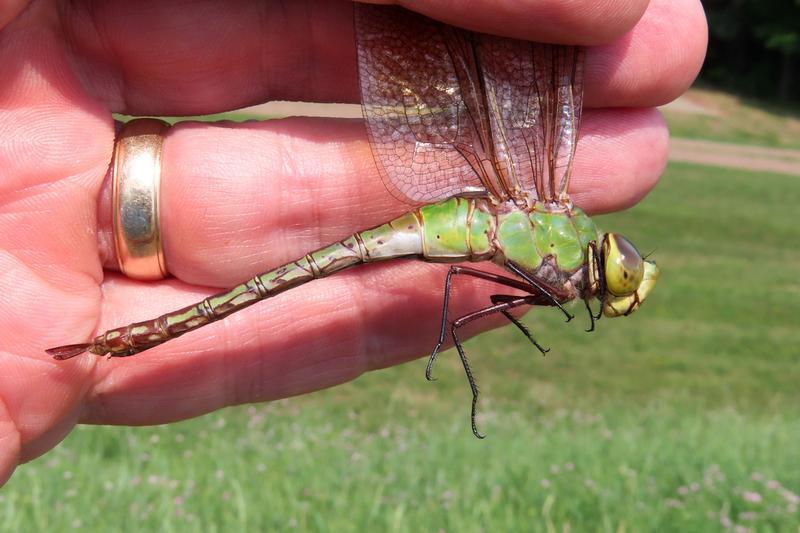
x=625, y=305
x=624, y=266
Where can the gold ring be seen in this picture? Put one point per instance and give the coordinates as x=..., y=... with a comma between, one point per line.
x=135, y=179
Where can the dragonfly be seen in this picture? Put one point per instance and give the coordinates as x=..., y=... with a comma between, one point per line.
x=479, y=133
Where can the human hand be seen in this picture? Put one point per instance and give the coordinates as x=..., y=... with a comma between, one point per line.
x=239, y=199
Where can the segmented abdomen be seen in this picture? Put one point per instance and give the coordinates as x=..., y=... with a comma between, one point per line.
x=398, y=238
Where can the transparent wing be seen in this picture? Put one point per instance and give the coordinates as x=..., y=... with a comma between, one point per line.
x=559, y=84
x=536, y=95
x=512, y=98
x=450, y=111
x=420, y=131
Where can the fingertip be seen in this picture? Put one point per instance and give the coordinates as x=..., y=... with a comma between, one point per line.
x=587, y=22
x=687, y=46
x=620, y=158
x=652, y=64
x=590, y=22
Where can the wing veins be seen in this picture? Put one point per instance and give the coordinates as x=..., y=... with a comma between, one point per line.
x=449, y=111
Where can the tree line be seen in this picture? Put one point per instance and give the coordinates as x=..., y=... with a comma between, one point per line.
x=754, y=47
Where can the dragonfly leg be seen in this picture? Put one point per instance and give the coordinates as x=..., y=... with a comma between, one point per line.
x=499, y=298
x=599, y=269
x=474, y=272
x=472, y=384
x=442, y=332
x=542, y=289
x=592, y=317
x=466, y=319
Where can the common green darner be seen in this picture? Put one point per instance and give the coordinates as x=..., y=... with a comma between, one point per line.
x=482, y=130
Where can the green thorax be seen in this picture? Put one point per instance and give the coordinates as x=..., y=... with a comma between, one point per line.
x=528, y=237
x=459, y=229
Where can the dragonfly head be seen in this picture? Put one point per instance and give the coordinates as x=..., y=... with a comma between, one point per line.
x=629, y=277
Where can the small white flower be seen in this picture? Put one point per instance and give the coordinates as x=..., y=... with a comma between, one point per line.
x=752, y=497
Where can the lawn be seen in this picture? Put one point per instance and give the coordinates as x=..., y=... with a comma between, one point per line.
x=729, y=118
x=683, y=417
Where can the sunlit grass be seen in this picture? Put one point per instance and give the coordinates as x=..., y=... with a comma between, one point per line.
x=683, y=417
x=285, y=466
x=730, y=118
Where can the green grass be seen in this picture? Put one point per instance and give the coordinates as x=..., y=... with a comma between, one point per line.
x=683, y=417
x=734, y=119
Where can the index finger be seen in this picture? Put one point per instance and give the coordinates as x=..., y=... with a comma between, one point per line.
x=586, y=22
x=148, y=58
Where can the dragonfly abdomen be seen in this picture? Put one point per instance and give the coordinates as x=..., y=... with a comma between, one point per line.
x=457, y=229
x=398, y=238
x=140, y=336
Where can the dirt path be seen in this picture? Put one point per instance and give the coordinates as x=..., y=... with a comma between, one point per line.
x=780, y=160
x=783, y=161
x=722, y=154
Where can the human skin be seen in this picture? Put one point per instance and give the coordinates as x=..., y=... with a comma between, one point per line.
x=239, y=199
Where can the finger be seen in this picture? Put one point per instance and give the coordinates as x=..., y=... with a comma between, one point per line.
x=237, y=200
x=314, y=336
x=306, y=52
x=9, y=9
x=54, y=146
x=575, y=22
x=652, y=64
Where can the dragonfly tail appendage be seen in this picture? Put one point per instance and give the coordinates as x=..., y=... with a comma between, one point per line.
x=68, y=351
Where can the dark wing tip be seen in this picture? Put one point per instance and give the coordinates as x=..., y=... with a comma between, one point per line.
x=68, y=351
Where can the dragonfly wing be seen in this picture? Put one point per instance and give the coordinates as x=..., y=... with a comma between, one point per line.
x=421, y=133
x=513, y=102
x=535, y=95
x=450, y=111
x=559, y=82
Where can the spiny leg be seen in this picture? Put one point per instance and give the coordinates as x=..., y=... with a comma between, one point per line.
x=499, y=298
x=592, y=316
x=464, y=320
x=502, y=280
x=599, y=274
x=472, y=384
x=521, y=273
x=443, y=329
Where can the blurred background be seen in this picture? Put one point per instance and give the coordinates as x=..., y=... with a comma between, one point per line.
x=682, y=417
x=754, y=47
